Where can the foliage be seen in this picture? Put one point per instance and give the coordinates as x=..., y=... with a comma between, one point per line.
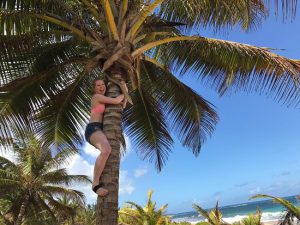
x=214, y=217
x=134, y=214
x=35, y=179
x=180, y=223
x=251, y=219
x=292, y=211
x=51, y=51
x=86, y=216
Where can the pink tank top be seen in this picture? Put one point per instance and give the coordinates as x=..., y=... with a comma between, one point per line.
x=98, y=108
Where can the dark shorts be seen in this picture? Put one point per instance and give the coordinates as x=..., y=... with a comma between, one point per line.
x=91, y=128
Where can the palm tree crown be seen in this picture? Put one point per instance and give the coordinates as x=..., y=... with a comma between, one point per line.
x=138, y=215
x=51, y=51
x=35, y=179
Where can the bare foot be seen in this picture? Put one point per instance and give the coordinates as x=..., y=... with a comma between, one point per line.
x=99, y=190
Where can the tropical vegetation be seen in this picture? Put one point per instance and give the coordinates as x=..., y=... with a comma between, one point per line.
x=292, y=215
x=35, y=187
x=213, y=217
x=51, y=50
x=252, y=219
x=133, y=213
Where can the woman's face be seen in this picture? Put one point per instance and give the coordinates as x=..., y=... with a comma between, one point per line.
x=100, y=87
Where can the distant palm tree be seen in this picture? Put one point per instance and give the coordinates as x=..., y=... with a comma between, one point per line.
x=292, y=211
x=67, y=217
x=251, y=219
x=86, y=216
x=34, y=179
x=51, y=50
x=134, y=214
x=214, y=216
x=4, y=216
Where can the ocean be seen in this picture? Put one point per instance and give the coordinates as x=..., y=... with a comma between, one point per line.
x=270, y=211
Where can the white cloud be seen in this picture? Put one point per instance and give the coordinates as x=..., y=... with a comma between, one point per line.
x=198, y=201
x=126, y=183
x=79, y=166
x=255, y=190
x=8, y=154
x=90, y=150
x=140, y=172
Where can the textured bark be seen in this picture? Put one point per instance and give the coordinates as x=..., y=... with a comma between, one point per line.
x=22, y=210
x=107, y=207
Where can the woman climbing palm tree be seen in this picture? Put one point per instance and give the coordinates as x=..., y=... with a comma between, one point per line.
x=51, y=50
x=94, y=134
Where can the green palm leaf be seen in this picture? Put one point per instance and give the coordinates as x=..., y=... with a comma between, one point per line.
x=288, y=205
x=191, y=117
x=37, y=171
x=138, y=215
x=222, y=14
x=51, y=50
x=65, y=114
x=214, y=13
x=203, y=213
x=226, y=65
x=146, y=124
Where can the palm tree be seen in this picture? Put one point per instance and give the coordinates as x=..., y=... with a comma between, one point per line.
x=34, y=180
x=134, y=214
x=5, y=218
x=51, y=50
x=292, y=211
x=74, y=207
x=86, y=216
x=214, y=216
x=251, y=219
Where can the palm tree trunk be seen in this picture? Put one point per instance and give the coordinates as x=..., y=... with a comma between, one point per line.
x=107, y=207
x=22, y=210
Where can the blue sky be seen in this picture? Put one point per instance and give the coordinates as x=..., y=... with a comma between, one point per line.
x=255, y=148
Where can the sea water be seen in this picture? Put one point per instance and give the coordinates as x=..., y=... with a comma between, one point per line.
x=270, y=211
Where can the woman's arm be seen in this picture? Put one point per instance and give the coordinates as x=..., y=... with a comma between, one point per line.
x=108, y=100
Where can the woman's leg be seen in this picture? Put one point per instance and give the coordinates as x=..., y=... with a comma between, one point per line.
x=99, y=140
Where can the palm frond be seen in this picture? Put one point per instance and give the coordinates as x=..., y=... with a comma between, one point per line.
x=19, y=17
x=18, y=22
x=58, y=207
x=216, y=14
x=146, y=125
x=287, y=8
x=60, y=158
x=138, y=208
x=66, y=110
x=61, y=191
x=41, y=64
x=226, y=65
x=5, y=173
x=60, y=177
x=6, y=163
x=191, y=117
x=8, y=182
x=203, y=213
x=288, y=205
